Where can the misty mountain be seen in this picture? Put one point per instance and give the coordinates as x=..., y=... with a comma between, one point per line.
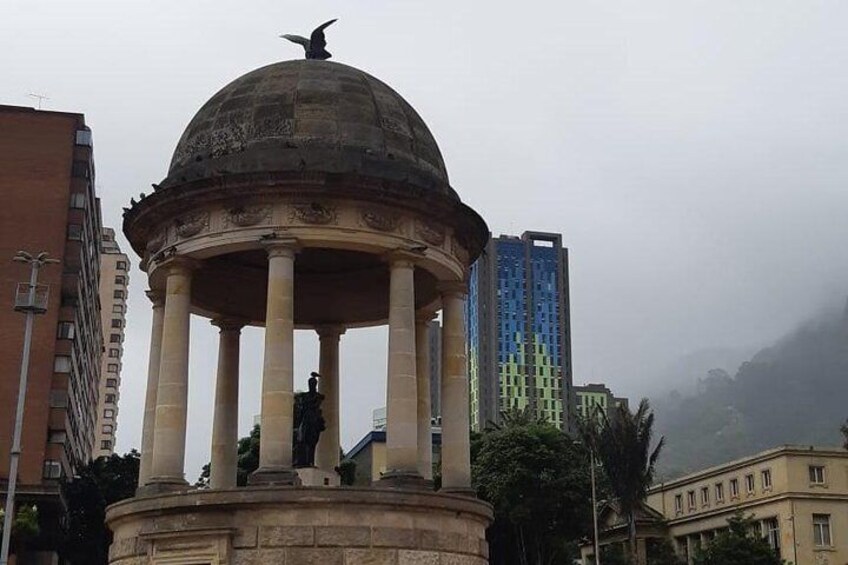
x=793, y=392
x=686, y=375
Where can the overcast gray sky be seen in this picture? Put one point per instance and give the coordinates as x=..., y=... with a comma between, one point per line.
x=693, y=153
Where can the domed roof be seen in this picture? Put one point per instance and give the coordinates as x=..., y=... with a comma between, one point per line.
x=309, y=116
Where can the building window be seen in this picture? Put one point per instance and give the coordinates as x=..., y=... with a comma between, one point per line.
x=62, y=364
x=52, y=469
x=80, y=169
x=117, y=308
x=78, y=200
x=115, y=338
x=766, y=478
x=75, y=232
x=110, y=399
x=118, y=294
x=821, y=530
x=111, y=383
x=84, y=137
x=108, y=428
x=112, y=367
x=771, y=531
x=121, y=266
x=734, y=488
x=66, y=330
x=117, y=323
x=749, y=484
x=705, y=496
x=109, y=413
x=719, y=492
x=678, y=504
x=58, y=398
x=817, y=474
x=106, y=444
x=120, y=279
x=57, y=436
x=115, y=353
x=690, y=499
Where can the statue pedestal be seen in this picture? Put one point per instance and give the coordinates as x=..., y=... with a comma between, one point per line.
x=315, y=477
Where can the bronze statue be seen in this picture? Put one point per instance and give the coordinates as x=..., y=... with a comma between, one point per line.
x=314, y=46
x=308, y=423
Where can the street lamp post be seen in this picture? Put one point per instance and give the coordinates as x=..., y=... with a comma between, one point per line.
x=32, y=299
x=594, y=507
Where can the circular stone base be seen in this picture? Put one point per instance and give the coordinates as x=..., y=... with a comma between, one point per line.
x=300, y=526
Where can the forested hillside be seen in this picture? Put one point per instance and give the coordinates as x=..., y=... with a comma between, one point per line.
x=795, y=391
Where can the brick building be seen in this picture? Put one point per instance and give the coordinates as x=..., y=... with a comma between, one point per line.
x=49, y=204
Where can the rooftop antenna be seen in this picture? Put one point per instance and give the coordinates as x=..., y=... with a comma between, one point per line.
x=40, y=98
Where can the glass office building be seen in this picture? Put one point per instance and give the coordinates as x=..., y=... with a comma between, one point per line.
x=519, y=349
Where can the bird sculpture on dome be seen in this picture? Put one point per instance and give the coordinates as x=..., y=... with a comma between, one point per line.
x=314, y=46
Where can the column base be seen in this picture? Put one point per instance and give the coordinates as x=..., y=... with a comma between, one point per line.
x=274, y=476
x=162, y=485
x=408, y=480
x=462, y=491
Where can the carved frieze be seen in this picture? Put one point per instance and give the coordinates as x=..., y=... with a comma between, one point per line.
x=380, y=220
x=245, y=216
x=191, y=224
x=156, y=242
x=313, y=213
x=430, y=232
x=458, y=250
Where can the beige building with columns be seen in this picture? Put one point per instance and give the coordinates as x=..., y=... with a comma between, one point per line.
x=797, y=494
x=305, y=194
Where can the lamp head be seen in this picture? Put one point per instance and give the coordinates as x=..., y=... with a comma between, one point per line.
x=22, y=257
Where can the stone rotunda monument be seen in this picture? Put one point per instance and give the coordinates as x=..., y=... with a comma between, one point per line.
x=305, y=194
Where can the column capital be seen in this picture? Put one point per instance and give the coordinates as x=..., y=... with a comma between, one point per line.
x=229, y=323
x=403, y=257
x=331, y=331
x=157, y=297
x=453, y=288
x=425, y=316
x=179, y=264
x=280, y=246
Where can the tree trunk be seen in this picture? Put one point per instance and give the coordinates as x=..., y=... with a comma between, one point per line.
x=522, y=553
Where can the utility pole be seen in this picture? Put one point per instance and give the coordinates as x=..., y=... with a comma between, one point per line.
x=30, y=298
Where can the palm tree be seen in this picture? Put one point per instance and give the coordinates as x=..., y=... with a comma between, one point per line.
x=622, y=442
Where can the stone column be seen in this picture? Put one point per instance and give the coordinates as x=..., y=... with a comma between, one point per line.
x=327, y=452
x=169, y=435
x=401, y=390
x=277, y=411
x=158, y=300
x=456, y=443
x=224, y=463
x=422, y=370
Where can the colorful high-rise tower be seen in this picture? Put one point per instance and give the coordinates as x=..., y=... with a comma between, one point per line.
x=519, y=329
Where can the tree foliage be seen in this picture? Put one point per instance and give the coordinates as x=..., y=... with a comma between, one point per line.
x=738, y=545
x=25, y=526
x=536, y=479
x=102, y=482
x=844, y=430
x=622, y=442
x=247, y=462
